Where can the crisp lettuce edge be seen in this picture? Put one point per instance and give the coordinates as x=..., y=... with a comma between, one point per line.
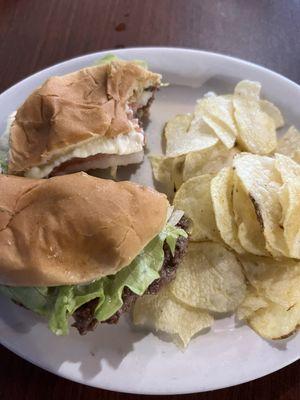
x=57, y=304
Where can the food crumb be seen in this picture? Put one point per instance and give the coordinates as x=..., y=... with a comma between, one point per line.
x=120, y=27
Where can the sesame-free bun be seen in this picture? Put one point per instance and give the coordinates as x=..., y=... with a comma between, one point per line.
x=73, y=229
x=69, y=110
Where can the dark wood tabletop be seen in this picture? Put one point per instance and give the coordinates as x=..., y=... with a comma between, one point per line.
x=37, y=33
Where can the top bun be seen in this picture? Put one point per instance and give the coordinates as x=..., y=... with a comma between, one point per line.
x=74, y=108
x=73, y=229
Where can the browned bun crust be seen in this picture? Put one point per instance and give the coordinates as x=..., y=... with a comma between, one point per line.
x=74, y=108
x=73, y=229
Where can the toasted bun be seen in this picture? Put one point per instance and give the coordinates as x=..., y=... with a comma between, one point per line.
x=71, y=109
x=74, y=228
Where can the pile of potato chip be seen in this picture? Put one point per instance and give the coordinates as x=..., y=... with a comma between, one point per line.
x=240, y=187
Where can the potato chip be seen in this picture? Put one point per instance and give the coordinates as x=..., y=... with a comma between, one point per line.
x=217, y=112
x=194, y=199
x=270, y=320
x=290, y=201
x=178, y=124
x=273, y=112
x=210, y=278
x=162, y=312
x=162, y=168
x=208, y=161
x=275, y=322
x=256, y=130
x=262, y=183
x=288, y=168
x=251, y=303
x=289, y=144
x=177, y=171
x=221, y=189
x=168, y=172
x=277, y=281
x=250, y=233
x=185, y=133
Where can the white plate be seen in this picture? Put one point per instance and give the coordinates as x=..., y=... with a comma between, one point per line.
x=121, y=357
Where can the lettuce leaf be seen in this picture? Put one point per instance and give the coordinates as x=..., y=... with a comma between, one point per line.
x=68, y=299
x=105, y=60
x=37, y=299
x=141, y=63
x=57, y=304
x=3, y=163
x=111, y=57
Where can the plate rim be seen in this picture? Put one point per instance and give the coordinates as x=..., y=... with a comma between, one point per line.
x=154, y=48
x=145, y=392
x=218, y=56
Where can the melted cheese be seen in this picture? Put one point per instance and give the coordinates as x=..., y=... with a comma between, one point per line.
x=132, y=142
x=145, y=97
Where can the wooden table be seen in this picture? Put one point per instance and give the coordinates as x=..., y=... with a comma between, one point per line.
x=37, y=33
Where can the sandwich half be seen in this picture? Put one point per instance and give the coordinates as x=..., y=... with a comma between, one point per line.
x=81, y=246
x=88, y=119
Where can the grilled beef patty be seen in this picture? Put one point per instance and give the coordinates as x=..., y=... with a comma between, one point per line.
x=84, y=315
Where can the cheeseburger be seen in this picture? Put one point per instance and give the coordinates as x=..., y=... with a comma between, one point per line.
x=88, y=119
x=81, y=246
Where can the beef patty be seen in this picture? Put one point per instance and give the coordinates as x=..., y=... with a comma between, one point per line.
x=84, y=315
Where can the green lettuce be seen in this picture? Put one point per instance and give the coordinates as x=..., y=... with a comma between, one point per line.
x=106, y=60
x=3, y=163
x=141, y=63
x=111, y=57
x=58, y=303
